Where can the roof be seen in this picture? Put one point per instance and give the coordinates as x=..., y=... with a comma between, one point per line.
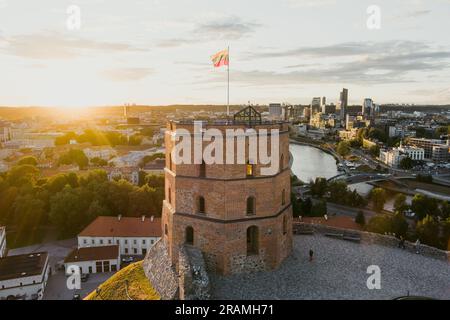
x=104, y=226
x=93, y=253
x=23, y=265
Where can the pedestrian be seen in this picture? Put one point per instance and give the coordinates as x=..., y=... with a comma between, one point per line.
x=416, y=246
x=311, y=255
x=401, y=243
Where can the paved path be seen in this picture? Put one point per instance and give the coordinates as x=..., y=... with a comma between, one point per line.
x=339, y=272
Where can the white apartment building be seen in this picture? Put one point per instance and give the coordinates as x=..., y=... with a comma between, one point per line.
x=417, y=154
x=391, y=158
x=94, y=259
x=102, y=153
x=134, y=236
x=2, y=242
x=24, y=276
x=130, y=174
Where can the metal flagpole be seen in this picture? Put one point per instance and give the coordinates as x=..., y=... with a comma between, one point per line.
x=228, y=87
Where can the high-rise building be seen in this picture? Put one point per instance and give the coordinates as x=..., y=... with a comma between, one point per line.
x=343, y=103
x=368, y=108
x=240, y=219
x=275, y=110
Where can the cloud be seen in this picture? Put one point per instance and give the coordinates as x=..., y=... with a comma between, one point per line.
x=370, y=63
x=55, y=45
x=310, y=3
x=126, y=74
x=228, y=28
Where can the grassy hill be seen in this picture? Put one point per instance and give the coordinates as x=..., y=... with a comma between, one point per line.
x=139, y=288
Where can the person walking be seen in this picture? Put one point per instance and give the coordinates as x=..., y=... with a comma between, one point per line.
x=311, y=255
x=416, y=245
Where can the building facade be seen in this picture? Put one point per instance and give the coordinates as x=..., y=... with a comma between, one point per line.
x=24, y=276
x=240, y=219
x=94, y=259
x=134, y=236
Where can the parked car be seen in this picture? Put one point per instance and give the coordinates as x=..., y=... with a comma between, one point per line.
x=127, y=259
x=76, y=296
x=84, y=277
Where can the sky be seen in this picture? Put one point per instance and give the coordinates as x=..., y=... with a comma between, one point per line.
x=157, y=52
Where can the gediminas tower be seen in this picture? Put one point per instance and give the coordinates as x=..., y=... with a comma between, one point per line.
x=240, y=219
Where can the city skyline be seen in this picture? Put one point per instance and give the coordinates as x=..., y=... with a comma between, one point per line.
x=158, y=52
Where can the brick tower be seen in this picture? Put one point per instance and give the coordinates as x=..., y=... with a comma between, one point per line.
x=240, y=219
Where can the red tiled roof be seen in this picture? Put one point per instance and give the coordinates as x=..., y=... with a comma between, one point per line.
x=104, y=226
x=93, y=254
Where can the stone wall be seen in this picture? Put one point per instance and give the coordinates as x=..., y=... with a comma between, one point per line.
x=158, y=269
x=374, y=238
x=192, y=276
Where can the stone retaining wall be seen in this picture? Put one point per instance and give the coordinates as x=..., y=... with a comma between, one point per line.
x=374, y=238
x=158, y=269
x=193, y=279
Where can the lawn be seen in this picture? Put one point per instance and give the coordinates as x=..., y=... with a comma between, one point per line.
x=139, y=287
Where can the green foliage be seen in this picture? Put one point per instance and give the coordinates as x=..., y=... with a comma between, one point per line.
x=69, y=202
x=423, y=206
x=100, y=138
x=318, y=187
x=400, y=203
x=98, y=162
x=387, y=224
x=428, y=231
x=28, y=160
x=378, y=197
x=360, y=218
x=406, y=163
x=343, y=148
x=74, y=156
x=378, y=134
x=318, y=209
x=339, y=193
x=374, y=151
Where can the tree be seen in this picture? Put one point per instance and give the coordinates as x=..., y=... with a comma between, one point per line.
x=343, y=148
x=360, y=218
x=406, y=163
x=374, y=150
x=74, y=156
x=423, y=205
x=318, y=187
x=99, y=162
x=21, y=175
x=428, y=231
x=400, y=203
x=319, y=209
x=399, y=225
x=379, y=224
x=378, y=197
x=28, y=160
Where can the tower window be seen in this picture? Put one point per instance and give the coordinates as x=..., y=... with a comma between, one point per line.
x=251, y=206
x=281, y=162
x=166, y=230
x=189, y=235
x=169, y=196
x=202, y=169
x=201, y=205
x=249, y=169
x=284, y=225
x=170, y=161
x=283, y=197
x=252, y=240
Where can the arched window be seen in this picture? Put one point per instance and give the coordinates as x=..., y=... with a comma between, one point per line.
x=170, y=161
x=284, y=225
x=202, y=169
x=252, y=240
x=283, y=197
x=201, y=205
x=281, y=162
x=249, y=169
x=189, y=235
x=166, y=230
x=251, y=206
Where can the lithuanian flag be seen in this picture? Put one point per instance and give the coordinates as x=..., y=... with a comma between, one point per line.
x=220, y=58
